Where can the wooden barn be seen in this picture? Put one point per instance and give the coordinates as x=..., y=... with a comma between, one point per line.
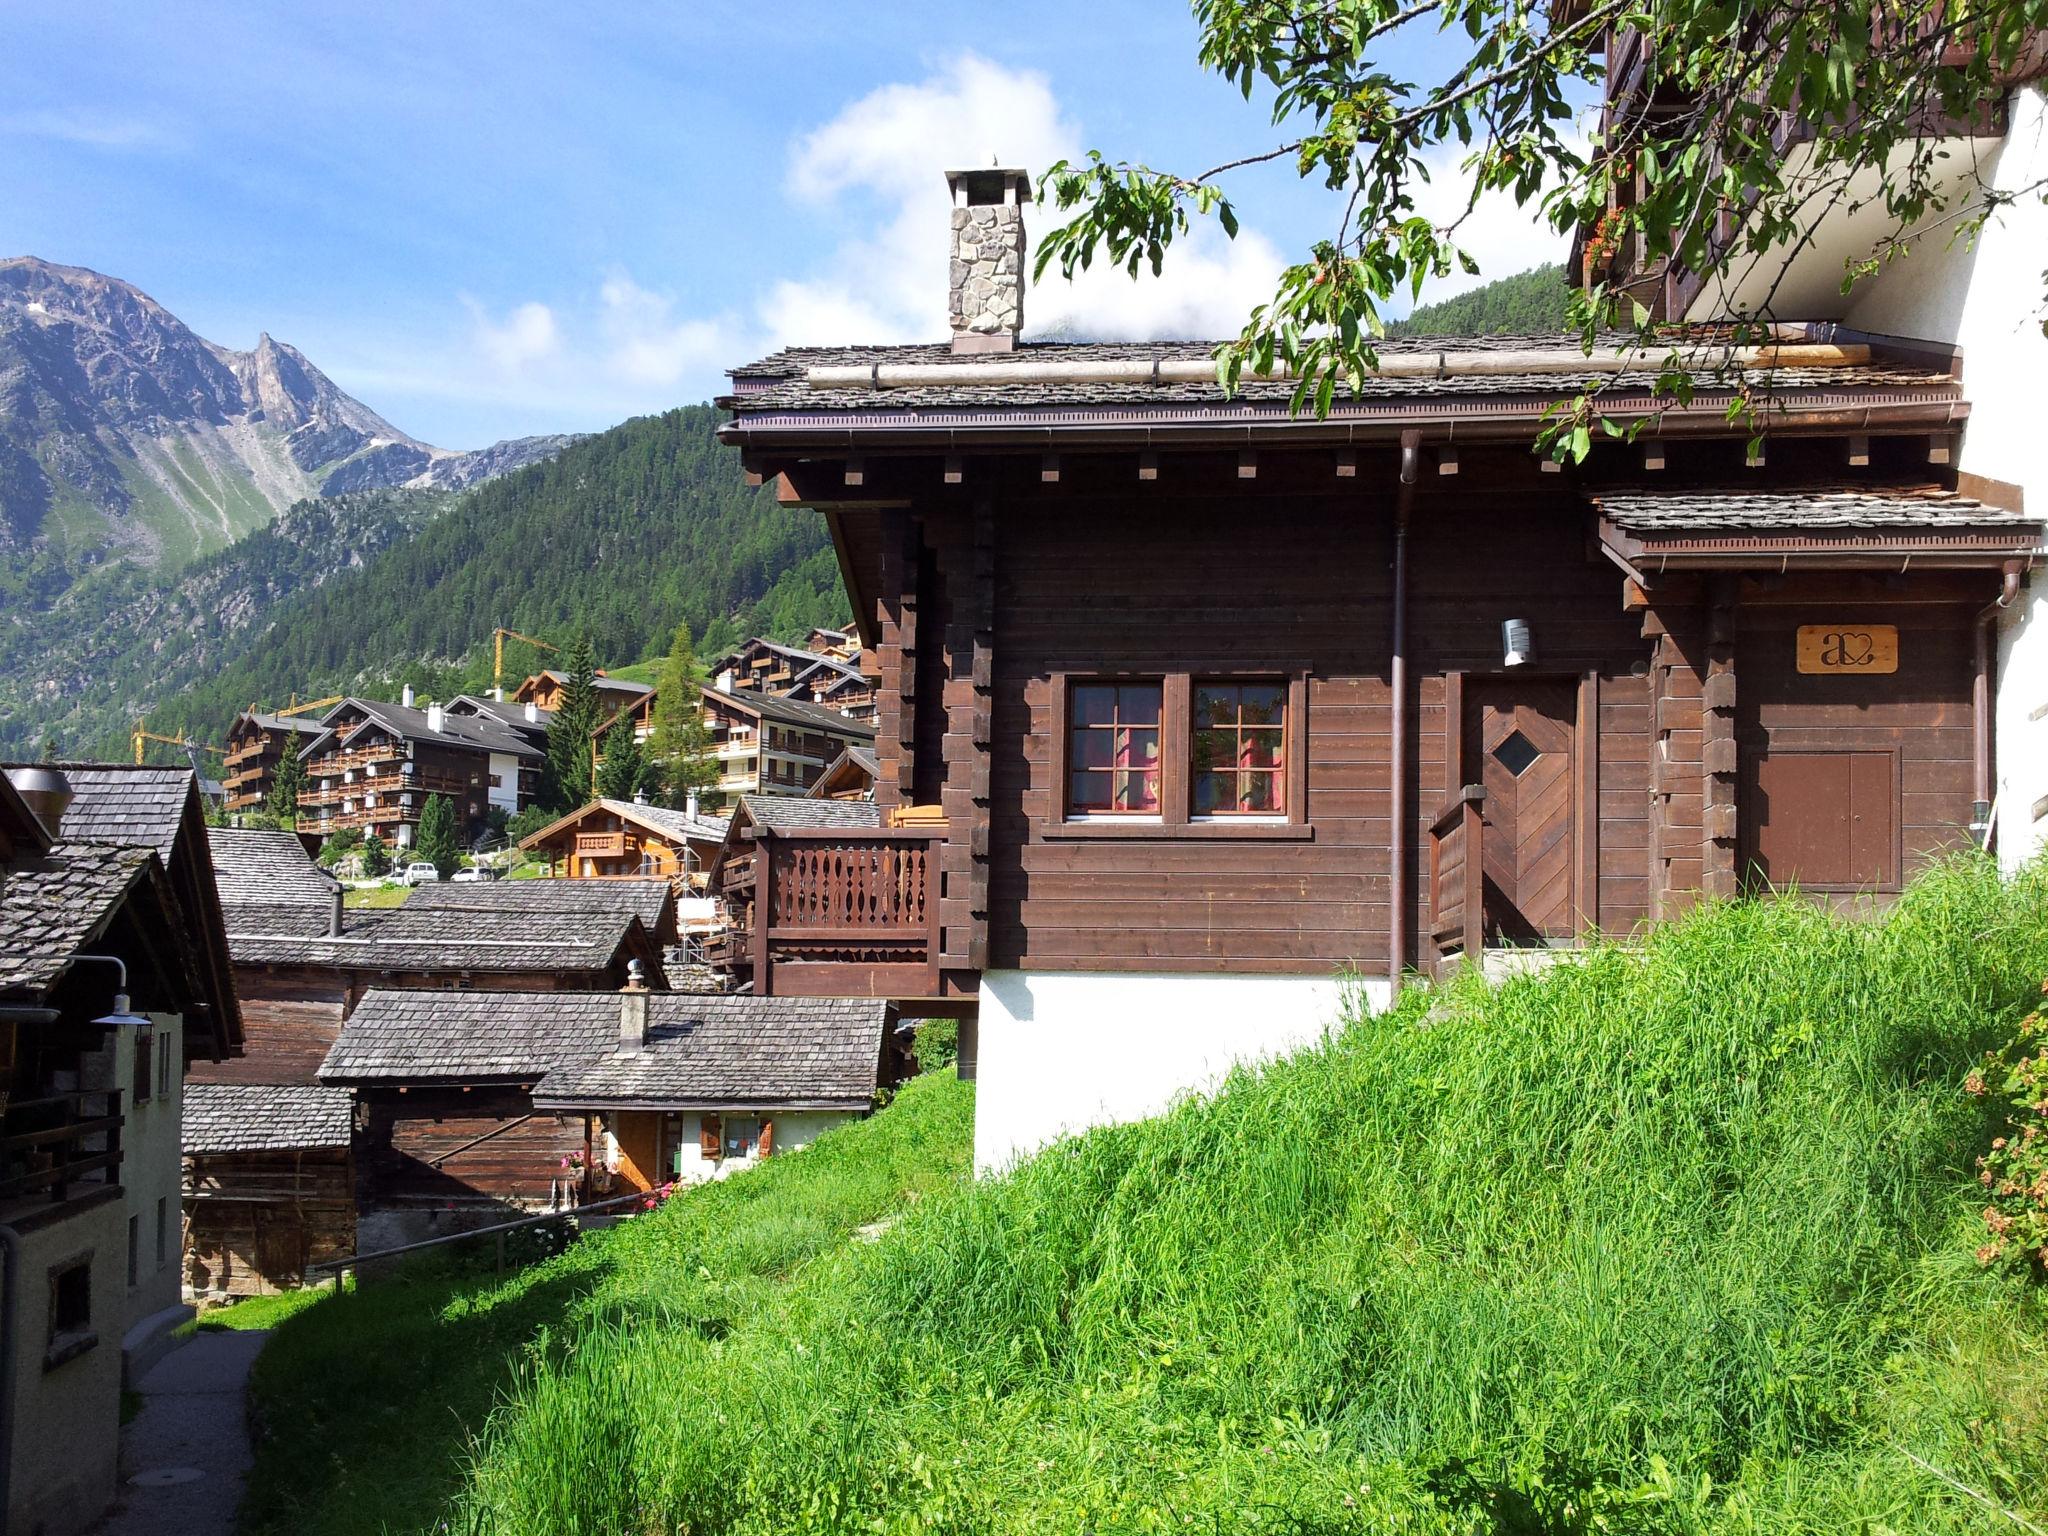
x=269, y=1185
x=1219, y=703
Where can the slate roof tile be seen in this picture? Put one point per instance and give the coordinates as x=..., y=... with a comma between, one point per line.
x=262, y=1117
x=1815, y=508
x=268, y=884
x=399, y=1036
x=50, y=906
x=771, y=706
x=782, y=813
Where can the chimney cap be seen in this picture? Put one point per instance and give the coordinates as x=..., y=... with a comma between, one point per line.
x=46, y=790
x=982, y=186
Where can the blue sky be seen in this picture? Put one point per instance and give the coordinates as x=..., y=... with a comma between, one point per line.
x=493, y=219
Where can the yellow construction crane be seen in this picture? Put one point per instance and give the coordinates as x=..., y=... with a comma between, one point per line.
x=498, y=638
x=299, y=709
x=141, y=737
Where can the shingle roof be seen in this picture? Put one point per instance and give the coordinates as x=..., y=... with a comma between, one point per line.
x=114, y=803
x=305, y=725
x=792, y=711
x=1813, y=508
x=777, y=383
x=451, y=940
x=556, y=901
x=263, y=1117
x=483, y=732
x=52, y=905
x=398, y=1035
x=268, y=884
x=783, y=813
x=669, y=819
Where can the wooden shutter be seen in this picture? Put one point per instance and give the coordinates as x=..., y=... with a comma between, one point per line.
x=767, y=1143
x=709, y=1129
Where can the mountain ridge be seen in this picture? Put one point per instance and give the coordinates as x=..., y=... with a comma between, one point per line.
x=125, y=434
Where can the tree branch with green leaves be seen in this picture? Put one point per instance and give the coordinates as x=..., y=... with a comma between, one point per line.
x=1740, y=126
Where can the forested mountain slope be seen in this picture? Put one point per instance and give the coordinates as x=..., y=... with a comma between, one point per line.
x=622, y=536
x=1527, y=304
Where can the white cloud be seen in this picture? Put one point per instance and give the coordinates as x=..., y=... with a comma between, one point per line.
x=1500, y=236
x=526, y=336
x=647, y=344
x=96, y=130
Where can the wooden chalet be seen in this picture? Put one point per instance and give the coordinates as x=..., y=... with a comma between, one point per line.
x=830, y=677
x=373, y=767
x=269, y=1185
x=544, y=691
x=300, y=983
x=851, y=777
x=767, y=745
x=257, y=744
x=697, y=1087
x=1217, y=702
x=613, y=839
x=108, y=980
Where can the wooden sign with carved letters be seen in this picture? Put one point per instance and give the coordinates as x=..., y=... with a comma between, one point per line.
x=1848, y=649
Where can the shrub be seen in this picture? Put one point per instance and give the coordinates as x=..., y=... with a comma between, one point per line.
x=937, y=1044
x=2015, y=1169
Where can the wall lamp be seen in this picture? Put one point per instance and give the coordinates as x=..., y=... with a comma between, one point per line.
x=1515, y=643
x=121, y=1017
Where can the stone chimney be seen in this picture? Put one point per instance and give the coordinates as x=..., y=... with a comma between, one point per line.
x=985, y=280
x=633, y=1010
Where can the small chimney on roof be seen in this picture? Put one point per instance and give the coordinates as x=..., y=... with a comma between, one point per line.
x=45, y=790
x=690, y=805
x=985, y=279
x=633, y=1009
x=532, y=713
x=405, y=695
x=436, y=718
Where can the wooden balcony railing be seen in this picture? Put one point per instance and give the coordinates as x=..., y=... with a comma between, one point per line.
x=601, y=845
x=59, y=1145
x=826, y=912
x=1457, y=878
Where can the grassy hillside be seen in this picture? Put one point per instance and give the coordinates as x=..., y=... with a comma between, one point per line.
x=1671, y=1240
x=622, y=536
x=1527, y=304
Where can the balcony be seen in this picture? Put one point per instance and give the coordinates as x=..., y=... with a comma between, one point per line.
x=57, y=1147
x=601, y=845
x=847, y=913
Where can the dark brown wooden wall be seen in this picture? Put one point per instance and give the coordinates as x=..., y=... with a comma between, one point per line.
x=255, y=1220
x=289, y=1019
x=1287, y=573
x=409, y=1152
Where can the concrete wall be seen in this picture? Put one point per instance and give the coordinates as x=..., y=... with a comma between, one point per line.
x=1987, y=299
x=67, y=1418
x=152, y=1173
x=1060, y=1052
x=505, y=792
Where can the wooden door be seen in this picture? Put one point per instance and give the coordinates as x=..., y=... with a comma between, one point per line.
x=1519, y=741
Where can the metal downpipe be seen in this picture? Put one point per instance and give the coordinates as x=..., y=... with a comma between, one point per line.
x=1397, y=683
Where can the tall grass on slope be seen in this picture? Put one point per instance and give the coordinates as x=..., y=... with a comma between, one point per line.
x=1659, y=1241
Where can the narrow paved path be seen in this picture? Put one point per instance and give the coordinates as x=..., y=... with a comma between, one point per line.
x=184, y=1457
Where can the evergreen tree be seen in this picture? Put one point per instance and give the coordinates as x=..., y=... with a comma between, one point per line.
x=437, y=835
x=679, y=748
x=619, y=773
x=376, y=860
x=283, y=802
x=577, y=717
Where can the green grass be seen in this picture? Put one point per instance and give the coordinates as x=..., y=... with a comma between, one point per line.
x=366, y=1404
x=1673, y=1239
x=648, y=671
x=256, y=1312
x=375, y=896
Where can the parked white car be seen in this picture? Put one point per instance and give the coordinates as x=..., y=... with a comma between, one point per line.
x=420, y=872
x=475, y=874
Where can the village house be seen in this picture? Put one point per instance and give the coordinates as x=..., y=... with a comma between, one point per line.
x=257, y=744
x=112, y=975
x=851, y=776
x=641, y=1088
x=611, y=839
x=544, y=691
x=300, y=982
x=766, y=745
x=373, y=767
x=830, y=678
x=1216, y=704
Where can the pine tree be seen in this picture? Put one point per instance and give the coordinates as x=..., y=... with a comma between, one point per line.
x=679, y=748
x=376, y=860
x=576, y=718
x=283, y=802
x=437, y=835
x=619, y=773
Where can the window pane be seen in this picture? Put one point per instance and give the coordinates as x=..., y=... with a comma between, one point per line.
x=1137, y=791
x=1138, y=704
x=1091, y=749
x=1089, y=792
x=1213, y=792
x=1215, y=706
x=1094, y=705
x=1261, y=793
x=1263, y=706
x=1238, y=752
x=1262, y=748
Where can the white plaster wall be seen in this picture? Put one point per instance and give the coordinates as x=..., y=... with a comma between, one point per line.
x=152, y=1165
x=794, y=1130
x=1988, y=299
x=505, y=793
x=67, y=1420
x=1063, y=1051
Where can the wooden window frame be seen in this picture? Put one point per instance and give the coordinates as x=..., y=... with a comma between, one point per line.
x=1176, y=754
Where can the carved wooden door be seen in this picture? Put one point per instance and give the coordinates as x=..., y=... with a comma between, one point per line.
x=1518, y=745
